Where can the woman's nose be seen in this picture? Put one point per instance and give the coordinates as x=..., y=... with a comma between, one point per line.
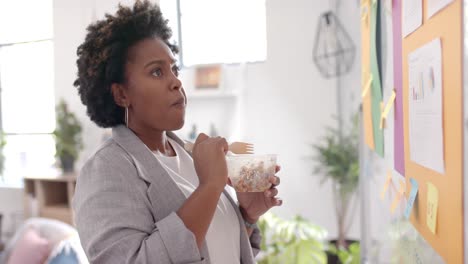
x=176, y=83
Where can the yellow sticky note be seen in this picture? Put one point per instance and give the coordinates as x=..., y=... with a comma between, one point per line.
x=386, y=110
x=365, y=11
x=387, y=183
x=364, y=14
x=367, y=87
x=432, y=204
x=399, y=195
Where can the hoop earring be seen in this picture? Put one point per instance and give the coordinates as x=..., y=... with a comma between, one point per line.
x=126, y=116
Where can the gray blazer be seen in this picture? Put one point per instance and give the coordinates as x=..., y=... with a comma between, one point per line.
x=125, y=207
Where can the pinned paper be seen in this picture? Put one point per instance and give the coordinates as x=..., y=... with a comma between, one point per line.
x=434, y=6
x=412, y=16
x=412, y=197
x=425, y=96
x=399, y=195
x=387, y=183
x=367, y=87
x=387, y=110
x=432, y=204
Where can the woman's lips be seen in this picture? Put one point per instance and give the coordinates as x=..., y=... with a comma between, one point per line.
x=179, y=103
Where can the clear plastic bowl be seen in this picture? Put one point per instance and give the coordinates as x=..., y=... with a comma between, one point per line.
x=250, y=173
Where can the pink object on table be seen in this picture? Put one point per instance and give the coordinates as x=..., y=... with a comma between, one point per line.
x=30, y=248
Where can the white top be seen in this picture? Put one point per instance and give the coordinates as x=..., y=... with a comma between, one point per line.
x=223, y=235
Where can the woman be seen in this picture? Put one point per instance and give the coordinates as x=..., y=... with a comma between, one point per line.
x=141, y=198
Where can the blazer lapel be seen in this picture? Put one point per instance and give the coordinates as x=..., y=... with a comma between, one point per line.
x=167, y=194
x=150, y=170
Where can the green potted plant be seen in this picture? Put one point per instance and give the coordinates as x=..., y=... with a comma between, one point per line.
x=337, y=160
x=291, y=241
x=350, y=255
x=68, y=140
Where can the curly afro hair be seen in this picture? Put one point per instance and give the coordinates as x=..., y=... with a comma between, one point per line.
x=102, y=56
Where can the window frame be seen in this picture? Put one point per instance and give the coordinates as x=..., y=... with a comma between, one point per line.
x=17, y=181
x=180, y=42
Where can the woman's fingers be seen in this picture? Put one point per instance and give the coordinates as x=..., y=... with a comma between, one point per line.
x=272, y=192
x=275, y=181
x=272, y=200
x=201, y=137
x=277, y=168
x=276, y=201
x=223, y=144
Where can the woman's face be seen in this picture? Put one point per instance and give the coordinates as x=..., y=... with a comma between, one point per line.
x=157, y=99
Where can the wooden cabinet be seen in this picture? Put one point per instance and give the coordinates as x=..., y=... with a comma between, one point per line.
x=49, y=197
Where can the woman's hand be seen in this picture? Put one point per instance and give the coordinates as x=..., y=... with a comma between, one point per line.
x=209, y=157
x=255, y=204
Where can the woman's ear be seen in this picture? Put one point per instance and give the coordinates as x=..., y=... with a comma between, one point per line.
x=120, y=95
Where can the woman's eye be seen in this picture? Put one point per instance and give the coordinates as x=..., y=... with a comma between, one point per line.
x=157, y=72
x=176, y=70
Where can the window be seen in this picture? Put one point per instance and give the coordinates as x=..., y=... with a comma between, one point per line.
x=218, y=31
x=25, y=20
x=27, y=104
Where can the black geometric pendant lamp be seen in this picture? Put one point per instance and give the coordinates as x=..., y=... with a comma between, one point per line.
x=334, y=50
